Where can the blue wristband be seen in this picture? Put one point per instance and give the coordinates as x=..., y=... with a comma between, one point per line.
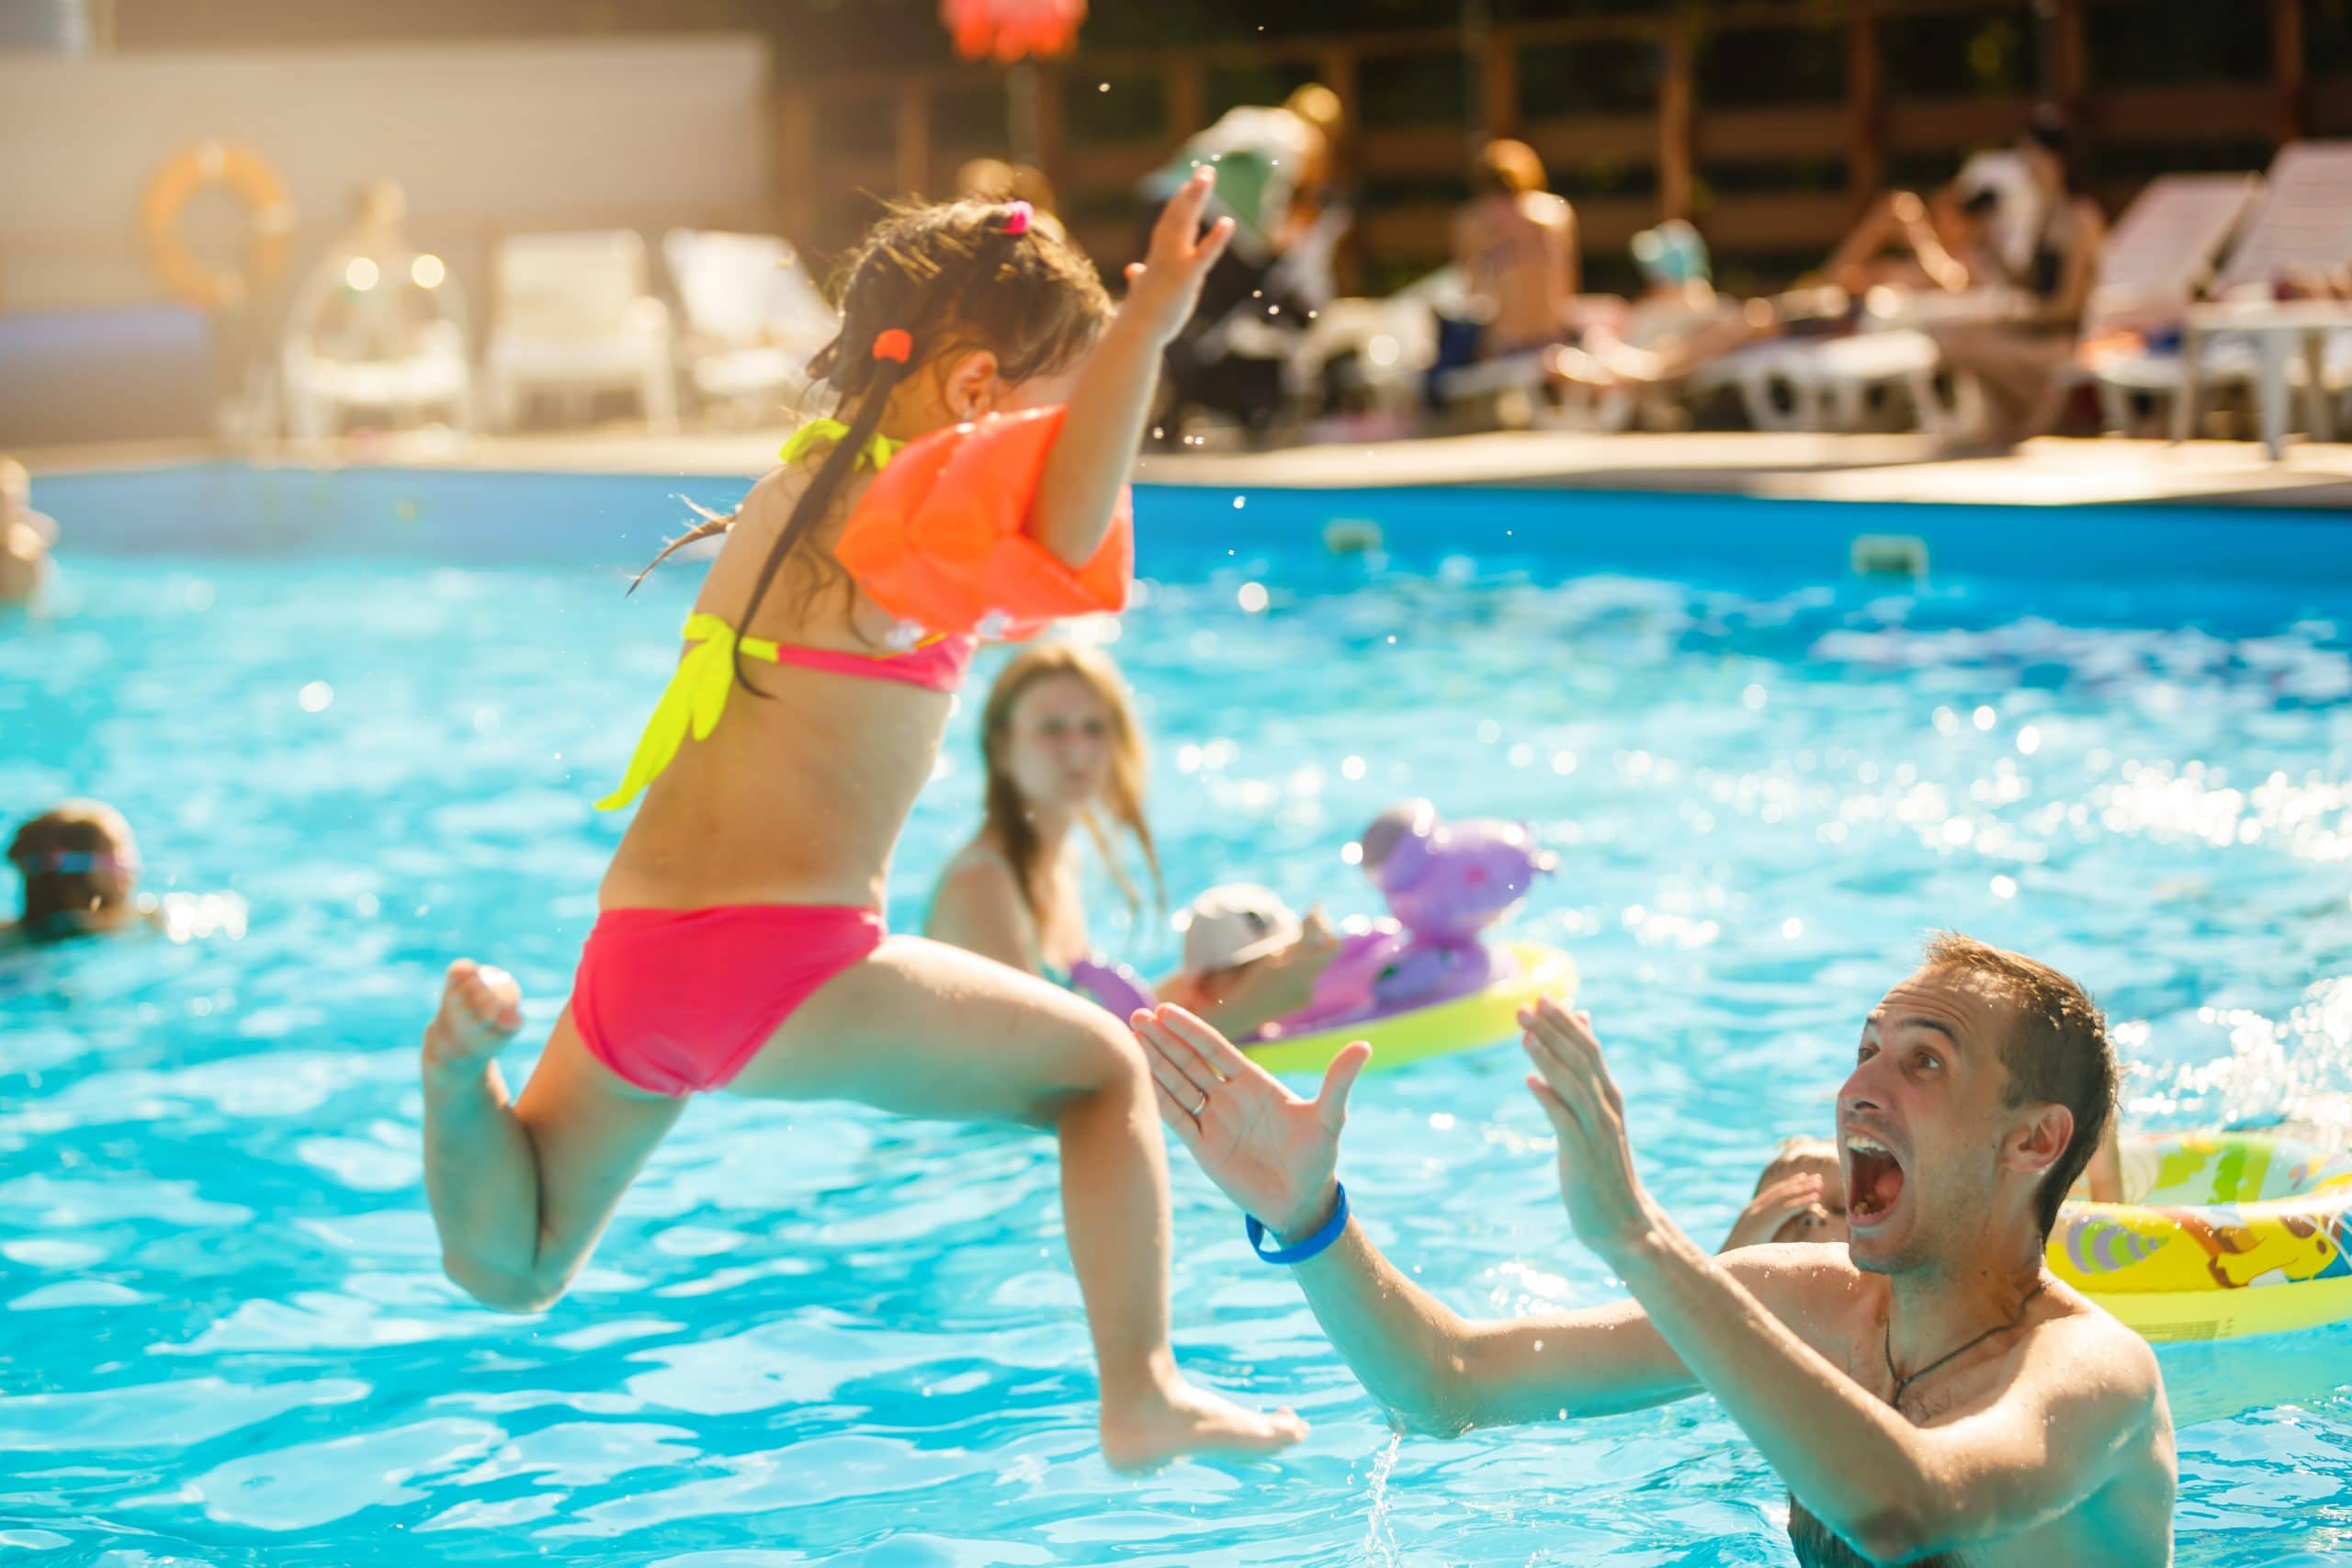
x=1319, y=1241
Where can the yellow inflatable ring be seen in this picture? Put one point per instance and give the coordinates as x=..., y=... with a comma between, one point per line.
x=1439, y=1031
x=2230, y=1233
x=243, y=174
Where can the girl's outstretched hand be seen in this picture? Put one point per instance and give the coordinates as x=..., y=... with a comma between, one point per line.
x=1164, y=287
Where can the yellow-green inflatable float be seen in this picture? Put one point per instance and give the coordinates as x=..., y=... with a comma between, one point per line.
x=2229, y=1234
x=1419, y=1034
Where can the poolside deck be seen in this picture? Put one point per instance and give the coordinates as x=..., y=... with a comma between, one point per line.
x=1828, y=467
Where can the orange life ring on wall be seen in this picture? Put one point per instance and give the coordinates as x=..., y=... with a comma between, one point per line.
x=243, y=174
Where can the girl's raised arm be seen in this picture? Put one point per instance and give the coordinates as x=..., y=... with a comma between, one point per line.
x=1113, y=396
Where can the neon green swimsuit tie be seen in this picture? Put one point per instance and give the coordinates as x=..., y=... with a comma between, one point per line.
x=879, y=448
x=696, y=693
x=694, y=699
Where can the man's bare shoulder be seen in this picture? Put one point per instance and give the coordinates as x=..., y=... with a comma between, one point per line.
x=1809, y=1265
x=1812, y=1286
x=2081, y=1346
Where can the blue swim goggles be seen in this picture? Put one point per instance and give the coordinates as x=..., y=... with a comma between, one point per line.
x=72, y=863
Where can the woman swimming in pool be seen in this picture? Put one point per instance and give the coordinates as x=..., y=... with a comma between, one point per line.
x=740, y=944
x=1064, y=750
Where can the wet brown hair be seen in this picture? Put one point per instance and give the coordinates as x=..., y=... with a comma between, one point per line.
x=993, y=179
x=2056, y=1051
x=955, y=278
x=1007, y=815
x=55, y=901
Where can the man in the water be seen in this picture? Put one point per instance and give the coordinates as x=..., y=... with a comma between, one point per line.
x=1928, y=1390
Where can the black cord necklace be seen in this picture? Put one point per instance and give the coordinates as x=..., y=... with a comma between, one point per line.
x=1903, y=1384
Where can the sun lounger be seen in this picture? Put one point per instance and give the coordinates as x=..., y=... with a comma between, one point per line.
x=575, y=318
x=751, y=315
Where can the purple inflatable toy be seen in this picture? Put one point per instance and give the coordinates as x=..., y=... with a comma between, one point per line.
x=1445, y=882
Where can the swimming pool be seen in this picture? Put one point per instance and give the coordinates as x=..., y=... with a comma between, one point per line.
x=376, y=704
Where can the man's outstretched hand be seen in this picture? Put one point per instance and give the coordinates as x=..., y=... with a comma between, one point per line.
x=1275, y=1155
x=1606, y=1203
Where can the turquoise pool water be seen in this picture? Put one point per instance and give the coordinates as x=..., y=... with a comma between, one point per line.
x=375, y=706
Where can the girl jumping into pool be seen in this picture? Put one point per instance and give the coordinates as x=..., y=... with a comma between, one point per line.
x=740, y=942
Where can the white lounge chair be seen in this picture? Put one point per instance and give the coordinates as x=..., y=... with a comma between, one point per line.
x=2304, y=220
x=1393, y=341
x=573, y=317
x=384, y=333
x=2157, y=260
x=320, y=389
x=2303, y=227
x=2162, y=252
x=753, y=317
x=2300, y=220
x=1847, y=383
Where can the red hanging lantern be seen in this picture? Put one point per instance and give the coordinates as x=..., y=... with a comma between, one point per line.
x=1006, y=30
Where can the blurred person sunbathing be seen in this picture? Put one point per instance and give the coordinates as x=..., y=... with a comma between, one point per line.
x=1678, y=324
x=1516, y=244
x=1936, y=244
x=2021, y=361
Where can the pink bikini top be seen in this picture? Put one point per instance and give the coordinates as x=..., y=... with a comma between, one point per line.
x=697, y=691
x=935, y=666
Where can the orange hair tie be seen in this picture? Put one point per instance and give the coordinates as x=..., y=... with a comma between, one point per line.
x=895, y=344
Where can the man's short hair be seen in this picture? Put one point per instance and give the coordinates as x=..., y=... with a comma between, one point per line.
x=2056, y=1051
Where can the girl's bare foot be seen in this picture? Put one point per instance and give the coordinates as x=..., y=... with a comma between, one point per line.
x=480, y=1009
x=1176, y=1419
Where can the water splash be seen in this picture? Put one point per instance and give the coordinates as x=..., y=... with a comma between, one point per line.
x=1379, y=1536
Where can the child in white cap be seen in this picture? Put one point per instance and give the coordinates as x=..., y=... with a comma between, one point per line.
x=1249, y=960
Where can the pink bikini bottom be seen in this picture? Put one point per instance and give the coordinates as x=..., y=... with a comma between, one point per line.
x=676, y=1000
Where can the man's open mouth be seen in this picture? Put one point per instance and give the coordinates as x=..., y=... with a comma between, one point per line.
x=1874, y=1180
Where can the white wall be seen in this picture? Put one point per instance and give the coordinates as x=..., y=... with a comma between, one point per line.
x=487, y=136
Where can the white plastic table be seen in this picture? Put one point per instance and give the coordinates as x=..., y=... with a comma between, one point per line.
x=2277, y=327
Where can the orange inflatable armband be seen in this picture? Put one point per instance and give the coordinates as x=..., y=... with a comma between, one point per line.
x=941, y=536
